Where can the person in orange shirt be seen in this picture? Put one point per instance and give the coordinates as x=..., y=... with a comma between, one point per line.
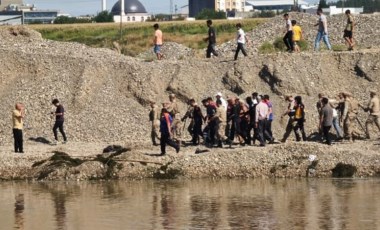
x=18, y=123
x=297, y=36
x=157, y=41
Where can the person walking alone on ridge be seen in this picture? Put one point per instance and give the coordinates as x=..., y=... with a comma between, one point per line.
x=157, y=41
x=211, y=40
x=18, y=123
x=348, y=31
x=59, y=120
x=241, y=40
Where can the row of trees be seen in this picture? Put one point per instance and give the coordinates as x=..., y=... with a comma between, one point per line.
x=104, y=16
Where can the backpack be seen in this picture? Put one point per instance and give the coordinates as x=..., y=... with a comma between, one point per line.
x=298, y=113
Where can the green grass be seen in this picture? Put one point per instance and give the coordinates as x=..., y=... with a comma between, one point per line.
x=138, y=37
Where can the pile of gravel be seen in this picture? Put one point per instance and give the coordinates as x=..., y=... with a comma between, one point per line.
x=171, y=51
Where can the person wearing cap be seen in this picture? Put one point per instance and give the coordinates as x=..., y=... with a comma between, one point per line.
x=351, y=109
x=154, y=118
x=373, y=108
x=220, y=118
x=290, y=113
x=59, y=120
x=219, y=97
x=157, y=41
x=177, y=123
x=18, y=115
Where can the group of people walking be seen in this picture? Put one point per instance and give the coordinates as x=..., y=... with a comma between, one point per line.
x=293, y=32
x=292, y=38
x=18, y=116
x=247, y=121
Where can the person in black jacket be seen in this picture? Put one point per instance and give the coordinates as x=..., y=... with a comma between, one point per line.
x=59, y=120
x=299, y=118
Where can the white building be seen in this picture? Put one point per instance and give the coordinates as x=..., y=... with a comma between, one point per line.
x=333, y=10
x=129, y=11
x=273, y=5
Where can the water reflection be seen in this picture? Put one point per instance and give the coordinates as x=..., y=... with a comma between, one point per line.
x=203, y=204
x=19, y=211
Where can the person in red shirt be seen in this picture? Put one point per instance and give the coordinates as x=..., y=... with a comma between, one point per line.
x=166, y=132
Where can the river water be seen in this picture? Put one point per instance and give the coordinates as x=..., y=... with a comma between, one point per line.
x=195, y=204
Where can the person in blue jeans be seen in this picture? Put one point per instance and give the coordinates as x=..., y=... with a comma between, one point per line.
x=322, y=31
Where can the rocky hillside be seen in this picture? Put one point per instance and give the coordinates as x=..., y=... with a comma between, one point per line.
x=106, y=94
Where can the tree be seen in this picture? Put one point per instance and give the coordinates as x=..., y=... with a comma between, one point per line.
x=322, y=4
x=211, y=14
x=104, y=16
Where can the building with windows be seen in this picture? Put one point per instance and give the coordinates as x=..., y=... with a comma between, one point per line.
x=129, y=11
x=5, y=3
x=196, y=6
x=16, y=14
x=273, y=5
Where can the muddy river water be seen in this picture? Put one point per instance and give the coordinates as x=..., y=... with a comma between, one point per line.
x=195, y=204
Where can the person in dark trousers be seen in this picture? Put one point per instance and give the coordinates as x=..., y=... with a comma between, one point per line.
x=166, y=132
x=270, y=119
x=210, y=130
x=326, y=120
x=59, y=120
x=290, y=113
x=262, y=113
x=299, y=118
x=17, y=118
x=198, y=121
x=241, y=40
x=211, y=40
x=288, y=38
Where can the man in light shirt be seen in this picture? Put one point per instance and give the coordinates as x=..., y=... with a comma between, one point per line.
x=241, y=40
x=288, y=37
x=262, y=114
x=322, y=31
x=157, y=41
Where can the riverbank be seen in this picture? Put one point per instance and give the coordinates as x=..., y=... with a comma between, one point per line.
x=86, y=161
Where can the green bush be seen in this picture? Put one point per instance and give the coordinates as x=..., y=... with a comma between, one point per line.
x=266, y=48
x=303, y=44
x=279, y=44
x=210, y=14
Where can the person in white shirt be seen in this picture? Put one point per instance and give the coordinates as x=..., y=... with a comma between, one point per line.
x=262, y=114
x=288, y=38
x=241, y=40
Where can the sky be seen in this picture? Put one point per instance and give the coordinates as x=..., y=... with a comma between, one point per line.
x=84, y=7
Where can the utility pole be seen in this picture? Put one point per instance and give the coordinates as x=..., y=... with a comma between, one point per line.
x=121, y=19
x=171, y=9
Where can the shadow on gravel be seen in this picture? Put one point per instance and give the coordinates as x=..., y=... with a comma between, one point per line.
x=42, y=140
